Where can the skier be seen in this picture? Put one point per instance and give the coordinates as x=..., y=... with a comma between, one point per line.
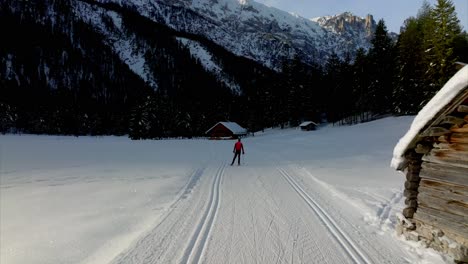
x=238, y=147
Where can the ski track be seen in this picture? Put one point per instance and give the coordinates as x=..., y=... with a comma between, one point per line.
x=197, y=244
x=373, y=242
x=262, y=220
x=341, y=237
x=263, y=217
x=126, y=257
x=163, y=243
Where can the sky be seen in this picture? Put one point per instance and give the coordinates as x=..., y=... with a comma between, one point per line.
x=394, y=12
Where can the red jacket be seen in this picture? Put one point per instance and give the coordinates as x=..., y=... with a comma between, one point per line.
x=238, y=146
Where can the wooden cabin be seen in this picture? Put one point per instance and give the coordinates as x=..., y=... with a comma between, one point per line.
x=434, y=157
x=226, y=130
x=308, y=126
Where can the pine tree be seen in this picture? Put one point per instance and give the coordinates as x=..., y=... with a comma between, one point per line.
x=409, y=89
x=443, y=28
x=460, y=47
x=360, y=83
x=334, y=85
x=8, y=118
x=383, y=67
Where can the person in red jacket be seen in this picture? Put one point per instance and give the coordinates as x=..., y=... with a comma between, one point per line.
x=238, y=147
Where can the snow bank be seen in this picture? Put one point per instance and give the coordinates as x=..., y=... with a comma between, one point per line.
x=450, y=91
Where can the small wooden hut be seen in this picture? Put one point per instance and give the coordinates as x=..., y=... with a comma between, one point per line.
x=226, y=130
x=434, y=157
x=308, y=126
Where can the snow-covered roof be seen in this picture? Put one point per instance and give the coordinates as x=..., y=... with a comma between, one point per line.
x=306, y=123
x=457, y=85
x=235, y=128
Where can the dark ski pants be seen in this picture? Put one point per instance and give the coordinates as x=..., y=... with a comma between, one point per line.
x=237, y=155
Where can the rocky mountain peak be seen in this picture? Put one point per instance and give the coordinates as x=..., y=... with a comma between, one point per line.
x=349, y=25
x=370, y=25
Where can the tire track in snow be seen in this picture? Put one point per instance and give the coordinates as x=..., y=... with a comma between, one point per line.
x=341, y=237
x=197, y=243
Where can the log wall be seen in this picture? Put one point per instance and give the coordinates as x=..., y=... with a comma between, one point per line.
x=436, y=187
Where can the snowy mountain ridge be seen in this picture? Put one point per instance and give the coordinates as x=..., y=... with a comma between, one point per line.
x=256, y=31
x=149, y=35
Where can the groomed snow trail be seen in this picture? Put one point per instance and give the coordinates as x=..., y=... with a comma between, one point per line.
x=317, y=197
x=199, y=238
x=347, y=243
x=268, y=210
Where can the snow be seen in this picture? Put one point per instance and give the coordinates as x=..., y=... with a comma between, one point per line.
x=457, y=84
x=322, y=197
x=206, y=58
x=117, y=38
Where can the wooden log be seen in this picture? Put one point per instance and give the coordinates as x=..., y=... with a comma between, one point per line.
x=451, y=146
x=445, y=174
x=411, y=185
x=448, y=223
x=454, y=158
x=452, y=120
x=455, y=207
x=408, y=212
x=449, y=188
x=466, y=118
x=446, y=194
x=463, y=129
x=412, y=177
x=411, y=203
x=410, y=194
x=435, y=132
x=443, y=167
x=453, y=139
x=458, y=135
x=461, y=219
x=422, y=149
x=460, y=154
x=462, y=108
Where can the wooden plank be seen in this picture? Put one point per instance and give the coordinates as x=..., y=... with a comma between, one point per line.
x=446, y=195
x=455, y=159
x=452, y=120
x=462, y=108
x=453, y=139
x=455, y=207
x=435, y=132
x=463, y=129
x=443, y=167
x=462, y=220
x=453, y=146
x=449, y=188
x=456, y=177
x=460, y=154
x=453, y=224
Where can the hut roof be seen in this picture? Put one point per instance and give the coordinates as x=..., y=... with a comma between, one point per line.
x=306, y=123
x=235, y=128
x=449, y=96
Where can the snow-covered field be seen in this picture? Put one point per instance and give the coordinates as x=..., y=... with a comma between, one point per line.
x=327, y=196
